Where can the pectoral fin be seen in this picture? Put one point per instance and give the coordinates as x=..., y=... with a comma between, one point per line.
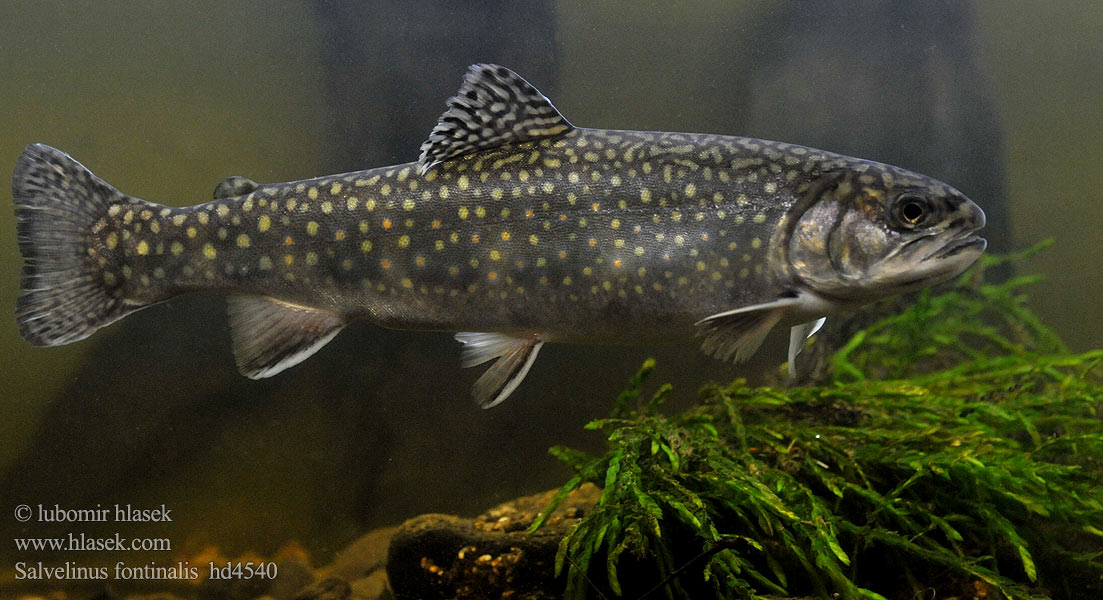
x=797, y=335
x=270, y=335
x=512, y=356
x=737, y=334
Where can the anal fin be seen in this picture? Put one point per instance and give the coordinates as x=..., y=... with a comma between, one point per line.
x=737, y=334
x=797, y=335
x=270, y=335
x=512, y=356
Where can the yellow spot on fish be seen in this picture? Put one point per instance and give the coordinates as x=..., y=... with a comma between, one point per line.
x=618, y=263
x=562, y=254
x=311, y=259
x=420, y=261
x=327, y=206
x=265, y=263
x=351, y=203
x=177, y=248
x=495, y=255
x=615, y=224
x=408, y=204
x=403, y=174
x=463, y=182
x=370, y=204
x=243, y=241
x=209, y=251
x=676, y=216
x=406, y=283
x=770, y=187
x=453, y=270
x=439, y=245
x=678, y=239
x=339, y=235
x=492, y=276
x=638, y=251
x=593, y=242
x=312, y=228
x=178, y=220
x=596, y=206
x=112, y=240
x=443, y=192
x=287, y=241
x=496, y=193
x=547, y=187
x=335, y=189
x=191, y=232
x=756, y=243
x=385, y=190
x=505, y=236
x=203, y=217
x=387, y=223
x=365, y=246
x=463, y=212
x=288, y=259
x=475, y=239
x=403, y=241
x=760, y=218
x=263, y=223
x=480, y=212
x=386, y=264
x=222, y=211
x=143, y=247
x=155, y=227
x=690, y=190
x=312, y=193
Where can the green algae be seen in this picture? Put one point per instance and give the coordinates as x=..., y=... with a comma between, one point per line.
x=957, y=448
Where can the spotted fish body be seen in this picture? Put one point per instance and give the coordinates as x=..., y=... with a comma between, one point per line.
x=514, y=224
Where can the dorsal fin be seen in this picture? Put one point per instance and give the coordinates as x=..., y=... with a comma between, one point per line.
x=235, y=185
x=494, y=106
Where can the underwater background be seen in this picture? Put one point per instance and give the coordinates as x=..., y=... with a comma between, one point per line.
x=164, y=100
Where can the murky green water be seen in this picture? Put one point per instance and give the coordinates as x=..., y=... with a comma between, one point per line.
x=165, y=100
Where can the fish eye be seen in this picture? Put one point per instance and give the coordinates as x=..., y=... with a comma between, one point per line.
x=911, y=210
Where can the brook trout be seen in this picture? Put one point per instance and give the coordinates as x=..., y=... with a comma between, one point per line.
x=515, y=228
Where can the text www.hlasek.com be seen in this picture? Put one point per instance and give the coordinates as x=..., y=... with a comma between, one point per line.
x=127, y=516
x=81, y=542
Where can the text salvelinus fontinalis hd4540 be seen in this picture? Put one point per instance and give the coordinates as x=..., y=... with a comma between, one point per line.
x=514, y=228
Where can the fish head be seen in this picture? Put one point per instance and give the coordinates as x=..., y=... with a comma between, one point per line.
x=880, y=231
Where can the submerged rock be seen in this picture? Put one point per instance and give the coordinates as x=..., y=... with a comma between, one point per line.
x=490, y=556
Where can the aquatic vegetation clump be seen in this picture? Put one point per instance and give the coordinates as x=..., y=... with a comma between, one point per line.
x=975, y=468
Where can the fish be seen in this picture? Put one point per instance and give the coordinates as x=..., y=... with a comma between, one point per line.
x=513, y=228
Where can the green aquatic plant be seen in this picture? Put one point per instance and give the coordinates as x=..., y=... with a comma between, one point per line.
x=958, y=447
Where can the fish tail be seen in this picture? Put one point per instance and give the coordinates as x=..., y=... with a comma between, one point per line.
x=68, y=240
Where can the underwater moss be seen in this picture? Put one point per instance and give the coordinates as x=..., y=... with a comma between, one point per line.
x=956, y=449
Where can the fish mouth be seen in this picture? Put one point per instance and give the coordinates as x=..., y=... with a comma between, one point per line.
x=958, y=246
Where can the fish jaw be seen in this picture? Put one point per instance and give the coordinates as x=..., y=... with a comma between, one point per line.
x=866, y=237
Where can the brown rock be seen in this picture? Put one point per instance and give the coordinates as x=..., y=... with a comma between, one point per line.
x=491, y=556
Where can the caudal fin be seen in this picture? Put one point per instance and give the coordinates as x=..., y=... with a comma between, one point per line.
x=62, y=212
